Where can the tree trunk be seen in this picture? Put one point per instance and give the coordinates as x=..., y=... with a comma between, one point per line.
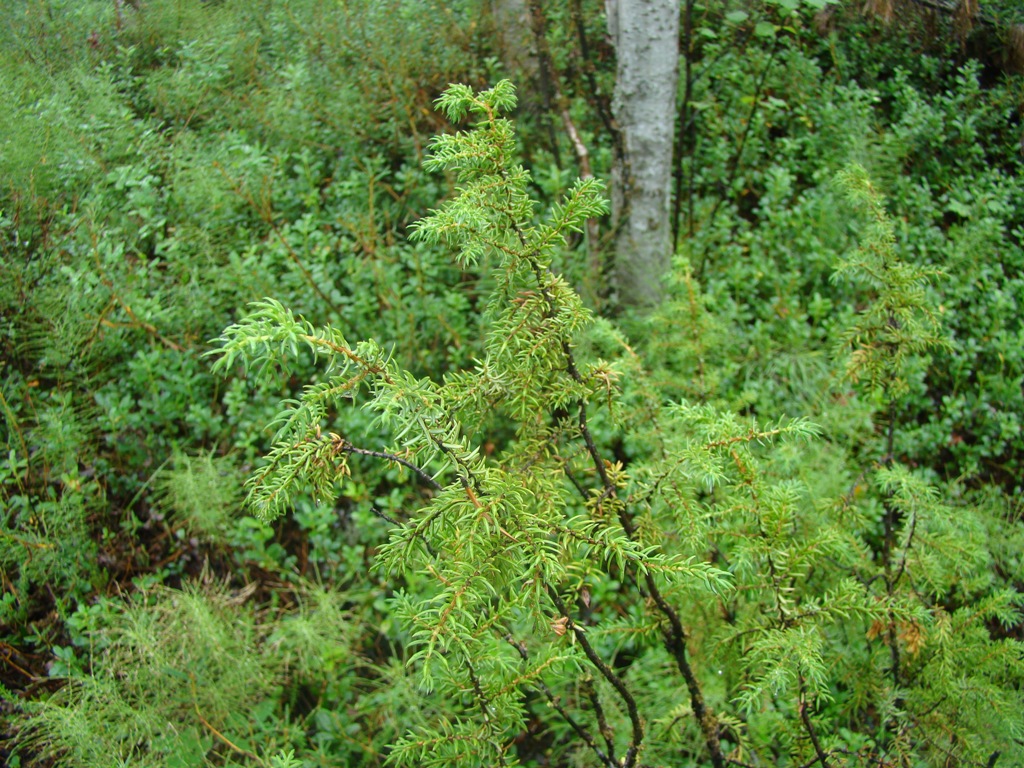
x=512, y=29
x=645, y=34
x=516, y=49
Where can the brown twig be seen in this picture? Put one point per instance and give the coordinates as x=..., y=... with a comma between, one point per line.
x=9, y=651
x=602, y=721
x=738, y=157
x=116, y=298
x=12, y=422
x=539, y=23
x=212, y=729
x=556, y=704
x=809, y=726
x=484, y=703
x=347, y=447
x=633, y=751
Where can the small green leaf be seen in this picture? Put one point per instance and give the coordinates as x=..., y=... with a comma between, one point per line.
x=764, y=29
x=736, y=17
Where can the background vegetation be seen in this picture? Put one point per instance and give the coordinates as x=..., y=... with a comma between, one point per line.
x=811, y=452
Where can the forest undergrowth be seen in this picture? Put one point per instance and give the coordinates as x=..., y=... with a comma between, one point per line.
x=325, y=444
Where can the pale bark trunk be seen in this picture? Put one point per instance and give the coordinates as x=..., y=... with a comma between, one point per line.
x=646, y=38
x=515, y=40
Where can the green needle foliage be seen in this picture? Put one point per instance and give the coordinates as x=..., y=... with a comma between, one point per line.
x=899, y=321
x=618, y=579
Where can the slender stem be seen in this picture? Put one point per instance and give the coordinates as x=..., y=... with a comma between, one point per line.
x=809, y=726
x=484, y=703
x=632, y=753
x=888, y=544
x=549, y=89
x=602, y=720
x=539, y=23
x=347, y=447
x=675, y=641
x=212, y=729
x=602, y=104
x=539, y=26
x=310, y=281
x=901, y=569
x=398, y=524
x=12, y=422
x=607, y=758
x=576, y=483
x=735, y=165
x=264, y=211
x=675, y=637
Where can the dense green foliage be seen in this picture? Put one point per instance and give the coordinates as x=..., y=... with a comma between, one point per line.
x=775, y=522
